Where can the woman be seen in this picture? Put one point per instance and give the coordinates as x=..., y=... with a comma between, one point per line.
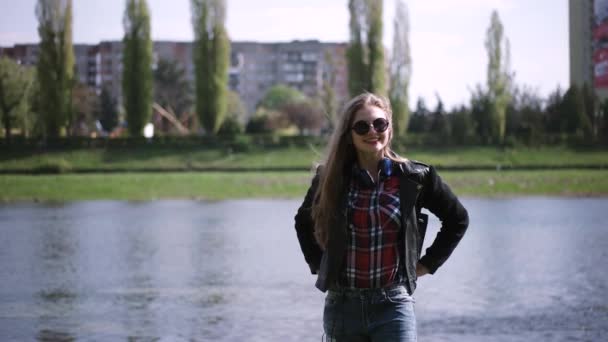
x=361, y=228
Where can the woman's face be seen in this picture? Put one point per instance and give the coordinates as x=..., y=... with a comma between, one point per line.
x=372, y=142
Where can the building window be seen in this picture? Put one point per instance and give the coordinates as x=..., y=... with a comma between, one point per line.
x=310, y=57
x=294, y=77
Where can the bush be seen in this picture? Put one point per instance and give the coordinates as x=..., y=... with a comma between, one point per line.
x=230, y=127
x=56, y=166
x=257, y=124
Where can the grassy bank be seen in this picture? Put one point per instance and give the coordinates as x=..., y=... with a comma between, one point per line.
x=218, y=186
x=301, y=158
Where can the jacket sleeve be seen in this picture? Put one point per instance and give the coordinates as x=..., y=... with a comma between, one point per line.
x=439, y=199
x=305, y=229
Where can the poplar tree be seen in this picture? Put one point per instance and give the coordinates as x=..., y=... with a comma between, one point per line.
x=400, y=70
x=365, y=53
x=377, y=69
x=499, y=77
x=211, y=60
x=55, y=64
x=137, y=81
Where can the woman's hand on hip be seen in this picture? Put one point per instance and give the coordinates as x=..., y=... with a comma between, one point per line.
x=421, y=270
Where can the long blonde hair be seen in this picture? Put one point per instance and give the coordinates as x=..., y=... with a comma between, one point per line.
x=340, y=156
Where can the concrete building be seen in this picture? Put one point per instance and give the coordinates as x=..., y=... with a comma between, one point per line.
x=581, y=45
x=254, y=68
x=303, y=65
x=589, y=44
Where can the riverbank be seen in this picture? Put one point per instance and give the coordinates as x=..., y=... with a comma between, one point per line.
x=160, y=158
x=221, y=185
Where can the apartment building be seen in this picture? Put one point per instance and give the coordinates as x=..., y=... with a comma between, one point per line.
x=254, y=66
x=589, y=44
x=303, y=65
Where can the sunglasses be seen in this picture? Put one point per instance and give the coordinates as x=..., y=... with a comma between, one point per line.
x=362, y=127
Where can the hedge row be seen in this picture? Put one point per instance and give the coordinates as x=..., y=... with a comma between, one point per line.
x=244, y=142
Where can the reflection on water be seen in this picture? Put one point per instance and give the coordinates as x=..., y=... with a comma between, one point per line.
x=529, y=269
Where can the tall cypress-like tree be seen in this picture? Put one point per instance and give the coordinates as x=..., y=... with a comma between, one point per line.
x=499, y=77
x=356, y=51
x=400, y=70
x=365, y=53
x=137, y=77
x=211, y=61
x=55, y=63
x=377, y=69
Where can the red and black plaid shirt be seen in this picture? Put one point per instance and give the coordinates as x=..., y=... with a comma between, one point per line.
x=372, y=256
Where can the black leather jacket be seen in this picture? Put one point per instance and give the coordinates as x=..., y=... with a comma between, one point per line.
x=420, y=187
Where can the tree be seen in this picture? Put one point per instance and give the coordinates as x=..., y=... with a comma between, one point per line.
x=591, y=106
x=15, y=88
x=499, y=77
x=55, y=63
x=461, y=124
x=137, y=66
x=328, y=94
x=108, y=111
x=29, y=119
x=418, y=123
x=377, y=82
x=553, y=111
x=236, y=109
x=481, y=114
x=84, y=105
x=236, y=115
x=171, y=87
x=603, y=121
x=280, y=95
x=172, y=91
x=439, y=123
x=287, y=106
x=573, y=113
x=304, y=114
x=365, y=53
x=400, y=70
x=211, y=61
x=525, y=115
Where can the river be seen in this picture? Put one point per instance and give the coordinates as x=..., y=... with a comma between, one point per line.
x=528, y=269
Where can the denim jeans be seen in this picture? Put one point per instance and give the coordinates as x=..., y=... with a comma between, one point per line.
x=376, y=315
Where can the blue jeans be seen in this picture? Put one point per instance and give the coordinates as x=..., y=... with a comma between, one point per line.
x=376, y=315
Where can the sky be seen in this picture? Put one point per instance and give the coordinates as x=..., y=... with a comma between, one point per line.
x=446, y=36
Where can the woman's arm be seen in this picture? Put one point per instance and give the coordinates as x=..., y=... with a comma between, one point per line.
x=304, y=225
x=440, y=200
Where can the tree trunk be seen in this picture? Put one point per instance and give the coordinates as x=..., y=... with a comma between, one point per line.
x=7, y=127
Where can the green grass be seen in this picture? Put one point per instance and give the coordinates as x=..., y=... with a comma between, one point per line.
x=163, y=158
x=218, y=186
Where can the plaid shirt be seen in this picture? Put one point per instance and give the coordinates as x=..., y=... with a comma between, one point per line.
x=372, y=255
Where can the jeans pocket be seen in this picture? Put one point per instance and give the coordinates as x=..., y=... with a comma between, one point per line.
x=399, y=295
